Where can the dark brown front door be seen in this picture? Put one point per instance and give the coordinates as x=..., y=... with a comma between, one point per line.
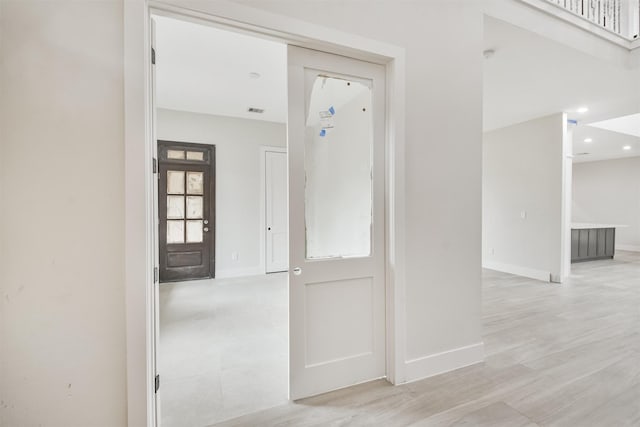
x=186, y=206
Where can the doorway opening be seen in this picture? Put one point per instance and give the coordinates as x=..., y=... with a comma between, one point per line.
x=554, y=148
x=143, y=394
x=220, y=123
x=339, y=189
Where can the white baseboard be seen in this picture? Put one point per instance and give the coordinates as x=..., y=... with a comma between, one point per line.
x=239, y=272
x=531, y=273
x=632, y=248
x=439, y=363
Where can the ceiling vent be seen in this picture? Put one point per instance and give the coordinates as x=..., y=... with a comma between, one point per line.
x=582, y=154
x=256, y=110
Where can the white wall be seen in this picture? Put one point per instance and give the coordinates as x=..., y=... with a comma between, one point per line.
x=443, y=163
x=62, y=329
x=62, y=112
x=523, y=174
x=238, y=184
x=608, y=191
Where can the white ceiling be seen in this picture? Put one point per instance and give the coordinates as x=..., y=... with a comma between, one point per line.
x=530, y=76
x=604, y=145
x=206, y=70
x=628, y=125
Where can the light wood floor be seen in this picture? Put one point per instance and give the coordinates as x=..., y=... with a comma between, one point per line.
x=556, y=355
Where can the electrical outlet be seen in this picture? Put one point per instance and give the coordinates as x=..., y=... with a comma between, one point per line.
x=234, y=256
x=523, y=214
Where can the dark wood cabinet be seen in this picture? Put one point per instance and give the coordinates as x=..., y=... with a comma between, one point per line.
x=592, y=243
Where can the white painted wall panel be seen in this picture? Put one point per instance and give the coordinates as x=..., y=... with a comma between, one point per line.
x=608, y=192
x=62, y=331
x=523, y=175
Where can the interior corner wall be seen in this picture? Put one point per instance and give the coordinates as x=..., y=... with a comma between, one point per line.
x=238, y=182
x=62, y=232
x=608, y=192
x=443, y=145
x=522, y=208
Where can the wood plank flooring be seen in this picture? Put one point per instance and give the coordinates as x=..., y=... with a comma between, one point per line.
x=556, y=355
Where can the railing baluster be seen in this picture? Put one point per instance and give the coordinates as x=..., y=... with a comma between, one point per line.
x=618, y=16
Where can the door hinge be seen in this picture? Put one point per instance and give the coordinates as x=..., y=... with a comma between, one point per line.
x=155, y=274
x=155, y=165
x=157, y=383
x=153, y=56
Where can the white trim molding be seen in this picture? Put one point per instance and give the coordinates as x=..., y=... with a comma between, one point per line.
x=518, y=270
x=139, y=234
x=440, y=363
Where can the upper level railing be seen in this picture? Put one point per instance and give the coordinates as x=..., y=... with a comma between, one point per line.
x=621, y=17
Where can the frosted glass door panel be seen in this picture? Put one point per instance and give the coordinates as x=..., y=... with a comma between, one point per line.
x=194, y=231
x=175, y=182
x=195, y=184
x=175, y=207
x=175, y=231
x=194, y=207
x=338, y=168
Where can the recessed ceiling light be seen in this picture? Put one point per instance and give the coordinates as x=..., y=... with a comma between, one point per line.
x=588, y=140
x=582, y=110
x=626, y=147
x=254, y=75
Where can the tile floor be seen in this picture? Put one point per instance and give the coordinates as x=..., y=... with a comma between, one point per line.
x=223, y=348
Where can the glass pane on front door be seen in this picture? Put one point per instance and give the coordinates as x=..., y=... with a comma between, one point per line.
x=175, y=231
x=338, y=169
x=195, y=183
x=194, y=207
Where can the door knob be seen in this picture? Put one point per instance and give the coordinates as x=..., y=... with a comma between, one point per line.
x=206, y=221
x=206, y=229
x=297, y=271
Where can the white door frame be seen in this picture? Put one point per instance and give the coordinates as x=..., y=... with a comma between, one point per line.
x=263, y=202
x=139, y=210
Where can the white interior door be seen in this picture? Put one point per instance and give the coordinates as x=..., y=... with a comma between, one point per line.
x=336, y=221
x=277, y=232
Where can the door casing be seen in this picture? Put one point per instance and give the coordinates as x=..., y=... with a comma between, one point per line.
x=140, y=218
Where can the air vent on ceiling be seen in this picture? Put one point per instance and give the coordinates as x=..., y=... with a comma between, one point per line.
x=581, y=154
x=255, y=110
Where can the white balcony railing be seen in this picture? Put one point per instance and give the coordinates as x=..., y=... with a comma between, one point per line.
x=621, y=17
